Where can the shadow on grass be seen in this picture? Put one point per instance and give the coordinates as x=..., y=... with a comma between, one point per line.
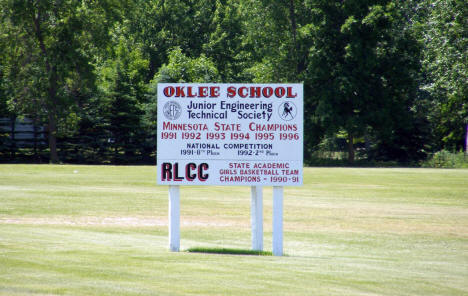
x=228, y=251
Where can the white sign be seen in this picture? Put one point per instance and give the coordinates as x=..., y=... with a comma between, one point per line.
x=230, y=134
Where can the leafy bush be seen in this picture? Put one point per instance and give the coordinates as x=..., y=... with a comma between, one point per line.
x=447, y=159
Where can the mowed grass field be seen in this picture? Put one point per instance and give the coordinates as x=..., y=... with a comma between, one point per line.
x=102, y=230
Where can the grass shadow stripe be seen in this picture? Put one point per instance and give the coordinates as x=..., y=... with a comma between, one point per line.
x=228, y=251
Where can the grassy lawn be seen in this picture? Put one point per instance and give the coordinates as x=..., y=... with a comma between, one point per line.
x=102, y=230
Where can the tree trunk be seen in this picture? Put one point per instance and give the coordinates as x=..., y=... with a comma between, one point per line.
x=13, y=136
x=350, y=149
x=52, y=115
x=52, y=90
x=292, y=15
x=36, y=156
x=53, y=137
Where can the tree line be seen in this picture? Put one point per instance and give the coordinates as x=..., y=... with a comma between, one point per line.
x=385, y=80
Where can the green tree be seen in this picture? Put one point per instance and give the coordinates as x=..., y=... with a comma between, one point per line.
x=181, y=68
x=61, y=39
x=273, y=42
x=159, y=26
x=361, y=70
x=123, y=90
x=225, y=41
x=443, y=29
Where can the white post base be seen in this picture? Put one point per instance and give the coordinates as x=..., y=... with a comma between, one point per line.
x=277, y=220
x=256, y=210
x=174, y=218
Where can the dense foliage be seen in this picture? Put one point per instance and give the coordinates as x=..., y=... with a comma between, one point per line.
x=384, y=80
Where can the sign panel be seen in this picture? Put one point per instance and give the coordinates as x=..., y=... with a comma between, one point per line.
x=230, y=134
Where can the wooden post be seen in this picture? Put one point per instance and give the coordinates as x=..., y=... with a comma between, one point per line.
x=277, y=220
x=256, y=210
x=174, y=218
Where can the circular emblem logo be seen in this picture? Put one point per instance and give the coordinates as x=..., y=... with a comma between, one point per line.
x=172, y=110
x=287, y=110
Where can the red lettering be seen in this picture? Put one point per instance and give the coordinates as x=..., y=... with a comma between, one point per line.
x=202, y=91
x=267, y=92
x=168, y=91
x=279, y=92
x=241, y=92
x=289, y=93
x=231, y=91
x=214, y=91
x=180, y=91
x=189, y=92
x=255, y=91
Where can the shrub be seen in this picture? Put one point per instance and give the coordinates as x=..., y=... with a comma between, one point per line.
x=447, y=159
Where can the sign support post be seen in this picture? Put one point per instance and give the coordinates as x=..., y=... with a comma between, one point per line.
x=174, y=218
x=256, y=210
x=277, y=220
